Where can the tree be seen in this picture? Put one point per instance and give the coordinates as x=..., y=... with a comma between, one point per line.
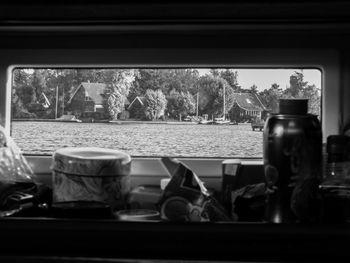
x=211, y=95
x=21, y=77
x=253, y=89
x=301, y=89
x=188, y=105
x=164, y=79
x=156, y=104
x=151, y=79
x=17, y=108
x=181, y=80
x=313, y=94
x=117, y=90
x=39, y=82
x=29, y=87
x=271, y=96
x=180, y=103
x=121, y=79
x=135, y=90
x=23, y=85
x=215, y=72
x=27, y=95
x=297, y=84
x=114, y=103
x=232, y=79
x=298, y=89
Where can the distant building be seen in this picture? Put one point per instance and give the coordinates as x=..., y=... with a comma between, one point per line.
x=137, y=108
x=247, y=107
x=88, y=97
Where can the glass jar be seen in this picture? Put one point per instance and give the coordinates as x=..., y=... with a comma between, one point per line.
x=335, y=187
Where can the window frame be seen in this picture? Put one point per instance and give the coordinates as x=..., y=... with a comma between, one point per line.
x=326, y=60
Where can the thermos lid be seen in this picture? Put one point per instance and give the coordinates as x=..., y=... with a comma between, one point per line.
x=293, y=106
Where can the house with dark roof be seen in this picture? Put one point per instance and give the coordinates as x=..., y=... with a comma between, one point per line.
x=247, y=107
x=88, y=97
x=137, y=108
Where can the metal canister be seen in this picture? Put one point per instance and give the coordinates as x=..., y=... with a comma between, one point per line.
x=292, y=162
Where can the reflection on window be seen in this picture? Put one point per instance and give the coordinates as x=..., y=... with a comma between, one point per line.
x=187, y=112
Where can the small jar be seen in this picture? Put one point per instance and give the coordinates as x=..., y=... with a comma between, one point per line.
x=335, y=187
x=337, y=166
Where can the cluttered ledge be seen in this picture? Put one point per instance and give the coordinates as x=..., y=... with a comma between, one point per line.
x=91, y=233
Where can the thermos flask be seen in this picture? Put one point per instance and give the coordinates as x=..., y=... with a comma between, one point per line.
x=292, y=150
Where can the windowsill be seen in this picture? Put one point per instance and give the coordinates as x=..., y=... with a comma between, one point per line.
x=150, y=170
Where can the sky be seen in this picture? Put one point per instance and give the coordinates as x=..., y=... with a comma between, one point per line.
x=264, y=78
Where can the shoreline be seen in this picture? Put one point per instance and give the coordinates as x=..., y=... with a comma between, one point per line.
x=122, y=122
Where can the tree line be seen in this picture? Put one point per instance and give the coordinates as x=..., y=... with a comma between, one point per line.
x=169, y=92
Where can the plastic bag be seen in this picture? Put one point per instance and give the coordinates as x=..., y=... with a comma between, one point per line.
x=249, y=202
x=13, y=166
x=185, y=198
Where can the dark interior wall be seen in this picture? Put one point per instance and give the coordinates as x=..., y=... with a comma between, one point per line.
x=181, y=24
x=88, y=24
x=345, y=89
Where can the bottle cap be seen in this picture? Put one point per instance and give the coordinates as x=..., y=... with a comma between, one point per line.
x=293, y=106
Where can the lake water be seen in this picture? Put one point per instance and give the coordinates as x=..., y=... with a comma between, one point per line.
x=141, y=139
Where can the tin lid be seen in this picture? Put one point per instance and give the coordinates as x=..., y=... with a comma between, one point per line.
x=91, y=161
x=293, y=106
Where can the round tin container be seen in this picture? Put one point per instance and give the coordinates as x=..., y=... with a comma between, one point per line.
x=90, y=174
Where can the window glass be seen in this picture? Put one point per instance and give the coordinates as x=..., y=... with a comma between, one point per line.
x=180, y=112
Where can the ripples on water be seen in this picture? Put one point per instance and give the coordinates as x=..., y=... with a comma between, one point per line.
x=141, y=139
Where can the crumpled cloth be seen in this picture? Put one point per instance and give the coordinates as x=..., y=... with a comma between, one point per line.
x=13, y=166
